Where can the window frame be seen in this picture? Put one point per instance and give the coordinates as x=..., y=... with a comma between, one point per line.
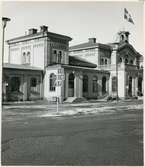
x=95, y=84
x=52, y=79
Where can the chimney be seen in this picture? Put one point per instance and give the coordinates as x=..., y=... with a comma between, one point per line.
x=32, y=31
x=43, y=28
x=92, y=40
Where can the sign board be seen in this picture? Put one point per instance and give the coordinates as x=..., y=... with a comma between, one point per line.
x=60, y=71
x=60, y=77
x=58, y=83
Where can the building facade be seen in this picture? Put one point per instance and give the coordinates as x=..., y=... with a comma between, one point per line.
x=120, y=59
x=42, y=66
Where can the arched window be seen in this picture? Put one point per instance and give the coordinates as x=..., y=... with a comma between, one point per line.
x=54, y=58
x=85, y=83
x=28, y=58
x=52, y=82
x=131, y=61
x=122, y=37
x=105, y=61
x=114, y=84
x=126, y=61
x=95, y=84
x=130, y=86
x=102, y=61
x=59, y=56
x=24, y=58
x=120, y=60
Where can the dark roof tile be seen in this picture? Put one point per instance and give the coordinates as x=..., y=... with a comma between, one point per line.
x=77, y=61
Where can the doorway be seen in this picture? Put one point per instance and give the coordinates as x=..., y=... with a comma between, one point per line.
x=71, y=85
x=130, y=86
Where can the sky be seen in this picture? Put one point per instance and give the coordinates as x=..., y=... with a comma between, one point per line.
x=79, y=20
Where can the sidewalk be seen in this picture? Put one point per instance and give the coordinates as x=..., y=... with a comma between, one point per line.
x=41, y=110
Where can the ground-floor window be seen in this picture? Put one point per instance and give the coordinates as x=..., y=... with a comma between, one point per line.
x=71, y=85
x=85, y=83
x=139, y=86
x=52, y=82
x=130, y=86
x=33, y=84
x=95, y=84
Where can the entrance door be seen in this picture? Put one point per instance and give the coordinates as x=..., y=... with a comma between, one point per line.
x=15, y=93
x=130, y=86
x=71, y=85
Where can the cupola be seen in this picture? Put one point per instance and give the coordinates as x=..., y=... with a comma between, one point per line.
x=123, y=36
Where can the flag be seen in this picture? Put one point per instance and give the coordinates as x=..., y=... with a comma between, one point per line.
x=127, y=16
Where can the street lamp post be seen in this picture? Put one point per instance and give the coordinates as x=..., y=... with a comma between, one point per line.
x=4, y=23
x=117, y=78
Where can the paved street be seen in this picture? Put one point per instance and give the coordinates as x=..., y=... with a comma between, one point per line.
x=100, y=133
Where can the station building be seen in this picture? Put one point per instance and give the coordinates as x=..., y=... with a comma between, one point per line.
x=41, y=65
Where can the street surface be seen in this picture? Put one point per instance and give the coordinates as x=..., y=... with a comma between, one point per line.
x=111, y=136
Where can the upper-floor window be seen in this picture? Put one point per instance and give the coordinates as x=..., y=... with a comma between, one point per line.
x=131, y=61
x=59, y=56
x=126, y=61
x=54, y=56
x=120, y=60
x=105, y=61
x=102, y=61
x=26, y=58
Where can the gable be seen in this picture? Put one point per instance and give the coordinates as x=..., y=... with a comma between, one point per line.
x=127, y=49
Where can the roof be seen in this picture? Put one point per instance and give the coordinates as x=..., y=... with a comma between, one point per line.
x=85, y=68
x=21, y=67
x=77, y=61
x=122, y=45
x=39, y=34
x=88, y=45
